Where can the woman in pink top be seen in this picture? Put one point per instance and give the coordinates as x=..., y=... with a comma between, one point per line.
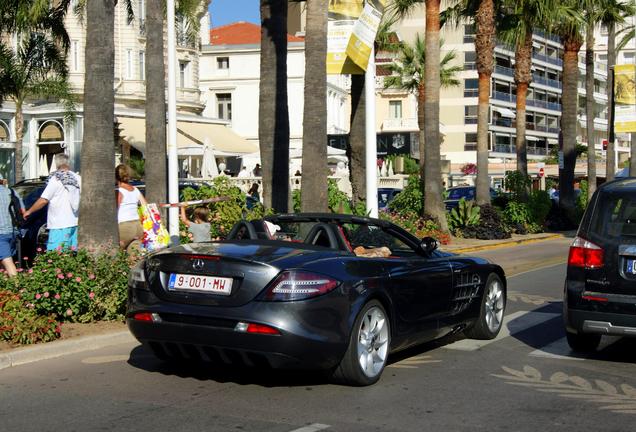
x=128, y=199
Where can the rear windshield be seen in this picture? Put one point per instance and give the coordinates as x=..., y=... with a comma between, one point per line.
x=614, y=216
x=466, y=193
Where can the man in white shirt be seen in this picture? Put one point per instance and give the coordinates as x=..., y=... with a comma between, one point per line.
x=62, y=195
x=243, y=173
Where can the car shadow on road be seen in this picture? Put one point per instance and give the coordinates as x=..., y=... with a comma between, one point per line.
x=142, y=358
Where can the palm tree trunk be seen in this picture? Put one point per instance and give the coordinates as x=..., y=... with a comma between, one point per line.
x=572, y=45
x=523, y=76
x=610, y=169
x=589, y=110
x=314, y=168
x=156, y=161
x=356, y=150
x=19, y=136
x=485, y=47
x=98, y=215
x=421, y=97
x=273, y=124
x=433, y=203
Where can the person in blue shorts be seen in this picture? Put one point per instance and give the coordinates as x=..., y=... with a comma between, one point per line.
x=62, y=194
x=7, y=230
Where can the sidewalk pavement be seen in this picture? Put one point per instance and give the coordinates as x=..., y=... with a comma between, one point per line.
x=34, y=353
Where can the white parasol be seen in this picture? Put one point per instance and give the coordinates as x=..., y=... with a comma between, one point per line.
x=208, y=167
x=53, y=166
x=43, y=170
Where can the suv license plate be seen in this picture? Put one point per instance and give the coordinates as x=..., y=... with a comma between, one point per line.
x=631, y=266
x=211, y=284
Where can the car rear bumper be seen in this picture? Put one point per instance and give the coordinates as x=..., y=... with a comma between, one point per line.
x=581, y=321
x=310, y=336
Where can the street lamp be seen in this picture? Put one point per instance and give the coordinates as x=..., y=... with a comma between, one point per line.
x=173, y=163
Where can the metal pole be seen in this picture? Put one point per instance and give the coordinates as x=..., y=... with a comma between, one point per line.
x=173, y=162
x=371, y=139
x=632, y=149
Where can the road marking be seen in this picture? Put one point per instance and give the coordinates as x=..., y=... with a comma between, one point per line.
x=536, y=269
x=312, y=428
x=559, y=349
x=536, y=300
x=412, y=362
x=513, y=323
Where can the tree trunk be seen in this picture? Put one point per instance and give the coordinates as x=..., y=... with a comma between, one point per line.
x=485, y=47
x=19, y=136
x=610, y=169
x=156, y=161
x=356, y=151
x=523, y=77
x=572, y=45
x=433, y=203
x=314, y=168
x=421, y=97
x=589, y=111
x=273, y=117
x=98, y=214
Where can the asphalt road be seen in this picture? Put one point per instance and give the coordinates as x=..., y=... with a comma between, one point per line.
x=525, y=380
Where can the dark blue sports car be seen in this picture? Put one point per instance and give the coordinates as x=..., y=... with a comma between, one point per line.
x=311, y=291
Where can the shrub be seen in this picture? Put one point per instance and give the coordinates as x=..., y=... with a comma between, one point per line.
x=465, y=214
x=539, y=204
x=490, y=226
x=223, y=214
x=419, y=226
x=338, y=201
x=410, y=199
x=75, y=286
x=517, y=184
x=20, y=323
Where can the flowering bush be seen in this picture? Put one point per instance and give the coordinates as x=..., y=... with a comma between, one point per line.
x=417, y=225
x=74, y=286
x=22, y=325
x=469, y=169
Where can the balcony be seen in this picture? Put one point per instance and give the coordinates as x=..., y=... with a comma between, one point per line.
x=547, y=82
x=543, y=104
x=511, y=149
x=400, y=124
x=548, y=36
x=502, y=70
x=507, y=97
x=544, y=58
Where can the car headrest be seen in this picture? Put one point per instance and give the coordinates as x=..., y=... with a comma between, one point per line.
x=322, y=234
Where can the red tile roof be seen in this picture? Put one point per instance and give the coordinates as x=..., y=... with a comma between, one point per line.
x=241, y=33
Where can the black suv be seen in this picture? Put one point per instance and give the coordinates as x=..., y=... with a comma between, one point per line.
x=600, y=286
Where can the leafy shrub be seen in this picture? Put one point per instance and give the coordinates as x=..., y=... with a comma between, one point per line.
x=20, y=324
x=419, y=226
x=338, y=201
x=410, y=199
x=490, y=226
x=519, y=218
x=75, y=286
x=539, y=204
x=465, y=214
x=223, y=214
x=410, y=165
x=581, y=200
x=517, y=184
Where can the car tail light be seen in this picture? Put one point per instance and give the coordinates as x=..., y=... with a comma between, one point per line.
x=299, y=285
x=143, y=316
x=244, y=327
x=585, y=254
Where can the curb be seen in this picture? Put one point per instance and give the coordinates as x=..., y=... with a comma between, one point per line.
x=505, y=244
x=61, y=348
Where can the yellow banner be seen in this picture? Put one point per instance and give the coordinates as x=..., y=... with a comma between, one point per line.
x=343, y=15
x=625, y=98
x=365, y=29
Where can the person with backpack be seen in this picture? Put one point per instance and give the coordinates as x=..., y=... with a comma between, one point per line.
x=8, y=227
x=62, y=194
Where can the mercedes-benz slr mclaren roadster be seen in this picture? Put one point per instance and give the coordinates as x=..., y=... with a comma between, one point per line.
x=311, y=291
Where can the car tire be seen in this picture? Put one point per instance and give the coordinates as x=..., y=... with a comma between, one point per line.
x=583, y=342
x=491, y=313
x=368, y=349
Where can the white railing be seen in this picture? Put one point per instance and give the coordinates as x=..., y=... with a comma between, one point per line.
x=400, y=124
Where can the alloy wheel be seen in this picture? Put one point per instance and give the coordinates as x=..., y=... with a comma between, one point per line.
x=373, y=342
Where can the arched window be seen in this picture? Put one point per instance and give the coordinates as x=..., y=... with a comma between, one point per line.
x=4, y=132
x=51, y=131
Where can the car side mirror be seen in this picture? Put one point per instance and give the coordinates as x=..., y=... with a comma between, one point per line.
x=428, y=245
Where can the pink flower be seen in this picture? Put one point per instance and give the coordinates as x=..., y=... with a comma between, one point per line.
x=30, y=271
x=26, y=258
x=91, y=295
x=20, y=270
x=46, y=294
x=91, y=276
x=38, y=296
x=39, y=249
x=58, y=270
x=69, y=275
x=49, y=261
x=78, y=279
x=73, y=248
x=69, y=312
x=60, y=276
x=30, y=305
x=56, y=296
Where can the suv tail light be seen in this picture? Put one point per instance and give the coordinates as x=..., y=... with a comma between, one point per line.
x=299, y=285
x=585, y=254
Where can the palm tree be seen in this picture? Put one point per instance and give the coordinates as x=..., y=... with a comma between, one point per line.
x=314, y=165
x=37, y=69
x=408, y=74
x=356, y=150
x=613, y=14
x=156, y=167
x=273, y=115
x=98, y=215
x=568, y=24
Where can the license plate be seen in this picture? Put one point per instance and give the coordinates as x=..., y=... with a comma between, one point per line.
x=211, y=284
x=631, y=266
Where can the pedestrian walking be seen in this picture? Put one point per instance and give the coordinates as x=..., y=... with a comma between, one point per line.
x=253, y=197
x=7, y=228
x=199, y=226
x=128, y=200
x=62, y=194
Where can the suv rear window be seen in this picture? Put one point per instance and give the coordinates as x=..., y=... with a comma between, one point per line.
x=614, y=216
